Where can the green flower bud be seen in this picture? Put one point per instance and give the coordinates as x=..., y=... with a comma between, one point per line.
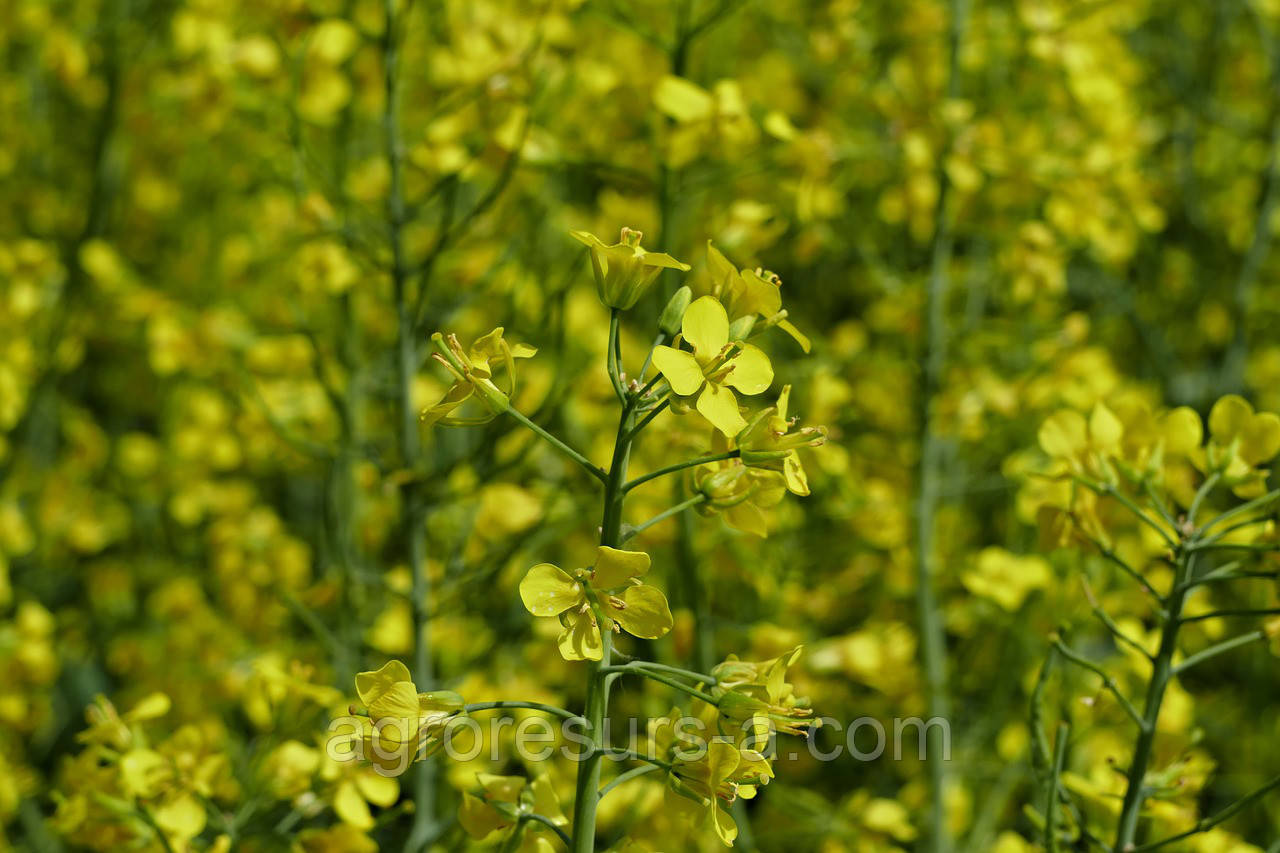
x=673, y=314
x=624, y=271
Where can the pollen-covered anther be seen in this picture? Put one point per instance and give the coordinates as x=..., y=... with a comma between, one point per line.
x=617, y=603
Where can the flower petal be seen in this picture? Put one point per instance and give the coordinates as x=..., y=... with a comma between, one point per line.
x=793, y=471
x=1182, y=431
x=581, y=639
x=389, y=691
x=351, y=807
x=1261, y=438
x=659, y=259
x=800, y=337
x=548, y=590
x=614, y=568
x=1064, y=434
x=706, y=326
x=453, y=398
x=717, y=404
x=1229, y=417
x=725, y=827
x=752, y=373
x=378, y=789
x=680, y=368
x=645, y=613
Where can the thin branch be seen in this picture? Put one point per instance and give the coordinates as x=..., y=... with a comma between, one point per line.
x=1107, y=681
x=1220, y=648
x=591, y=468
x=504, y=704
x=680, y=466
x=1222, y=614
x=1110, y=624
x=623, y=778
x=1205, y=824
x=664, y=515
x=549, y=824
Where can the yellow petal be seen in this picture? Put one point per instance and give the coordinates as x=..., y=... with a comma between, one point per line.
x=1260, y=440
x=548, y=590
x=1182, y=431
x=680, y=368
x=722, y=760
x=453, y=398
x=378, y=789
x=351, y=807
x=748, y=518
x=717, y=404
x=725, y=827
x=752, y=373
x=706, y=326
x=793, y=471
x=181, y=818
x=581, y=639
x=477, y=818
x=645, y=612
x=1228, y=418
x=1064, y=434
x=658, y=259
x=389, y=691
x=1105, y=429
x=613, y=567
x=800, y=337
x=682, y=100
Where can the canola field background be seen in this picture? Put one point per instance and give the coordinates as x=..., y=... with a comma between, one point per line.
x=992, y=288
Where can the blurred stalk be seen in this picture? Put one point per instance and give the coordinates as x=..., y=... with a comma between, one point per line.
x=412, y=516
x=933, y=648
x=1233, y=367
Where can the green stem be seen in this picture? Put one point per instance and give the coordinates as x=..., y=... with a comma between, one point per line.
x=1162, y=670
x=1208, y=823
x=597, y=702
x=1107, y=681
x=680, y=466
x=590, y=467
x=550, y=824
x=504, y=704
x=1244, y=508
x=639, y=669
x=623, y=778
x=1222, y=614
x=1106, y=489
x=1219, y=648
x=1203, y=492
x=648, y=418
x=1051, y=806
x=614, y=356
x=676, y=670
x=664, y=515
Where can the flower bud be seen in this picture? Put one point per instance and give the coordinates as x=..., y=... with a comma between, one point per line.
x=673, y=314
x=624, y=271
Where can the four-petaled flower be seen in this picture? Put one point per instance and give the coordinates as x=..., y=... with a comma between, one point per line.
x=746, y=690
x=610, y=592
x=624, y=271
x=1241, y=440
x=403, y=725
x=715, y=367
x=768, y=442
x=749, y=295
x=473, y=371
